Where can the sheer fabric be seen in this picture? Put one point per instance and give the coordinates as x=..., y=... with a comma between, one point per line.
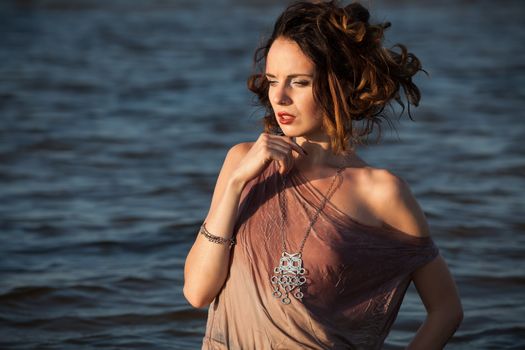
x=357, y=274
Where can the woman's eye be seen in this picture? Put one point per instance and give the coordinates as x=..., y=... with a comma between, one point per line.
x=272, y=82
x=301, y=82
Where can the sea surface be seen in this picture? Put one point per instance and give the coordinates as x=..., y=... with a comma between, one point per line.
x=115, y=117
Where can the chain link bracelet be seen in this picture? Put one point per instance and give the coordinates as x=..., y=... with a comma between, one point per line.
x=216, y=239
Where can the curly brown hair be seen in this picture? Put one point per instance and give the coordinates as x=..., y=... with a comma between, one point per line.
x=355, y=77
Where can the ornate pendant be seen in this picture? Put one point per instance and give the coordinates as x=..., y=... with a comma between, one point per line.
x=288, y=276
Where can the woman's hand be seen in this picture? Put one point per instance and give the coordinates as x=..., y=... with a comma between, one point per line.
x=206, y=267
x=266, y=149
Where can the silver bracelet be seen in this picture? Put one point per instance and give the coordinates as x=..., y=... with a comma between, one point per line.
x=216, y=239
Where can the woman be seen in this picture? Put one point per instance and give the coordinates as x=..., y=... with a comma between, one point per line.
x=305, y=246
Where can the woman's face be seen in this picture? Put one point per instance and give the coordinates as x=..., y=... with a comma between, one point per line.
x=290, y=75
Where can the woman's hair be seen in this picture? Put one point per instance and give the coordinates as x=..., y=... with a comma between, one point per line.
x=355, y=76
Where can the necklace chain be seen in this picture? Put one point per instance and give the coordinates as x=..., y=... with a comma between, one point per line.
x=289, y=276
x=282, y=205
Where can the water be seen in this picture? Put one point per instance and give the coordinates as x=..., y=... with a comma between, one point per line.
x=116, y=116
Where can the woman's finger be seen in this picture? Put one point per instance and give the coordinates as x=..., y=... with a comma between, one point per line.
x=287, y=140
x=282, y=156
x=294, y=145
x=279, y=147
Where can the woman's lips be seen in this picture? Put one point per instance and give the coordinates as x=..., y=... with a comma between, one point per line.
x=285, y=118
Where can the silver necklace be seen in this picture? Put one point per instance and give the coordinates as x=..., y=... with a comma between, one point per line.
x=289, y=276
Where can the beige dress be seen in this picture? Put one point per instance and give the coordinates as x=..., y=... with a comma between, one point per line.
x=357, y=275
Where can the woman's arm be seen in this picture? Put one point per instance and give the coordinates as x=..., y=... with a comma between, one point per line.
x=398, y=207
x=439, y=294
x=207, y=263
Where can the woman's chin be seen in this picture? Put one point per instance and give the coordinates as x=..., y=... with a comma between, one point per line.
x=291, y=134
x=290, y=131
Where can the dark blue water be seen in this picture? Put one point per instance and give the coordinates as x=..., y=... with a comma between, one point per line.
x=115, y=117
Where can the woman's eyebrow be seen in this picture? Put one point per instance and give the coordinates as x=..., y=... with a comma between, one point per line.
x=295, y=75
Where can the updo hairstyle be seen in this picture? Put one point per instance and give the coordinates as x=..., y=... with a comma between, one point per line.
x=355, y=76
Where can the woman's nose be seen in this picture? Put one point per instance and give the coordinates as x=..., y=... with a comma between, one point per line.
x=280, y=96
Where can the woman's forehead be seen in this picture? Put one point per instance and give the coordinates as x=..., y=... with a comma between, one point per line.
x=286, y=57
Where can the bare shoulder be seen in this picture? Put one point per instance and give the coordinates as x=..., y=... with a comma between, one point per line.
x=393, y=202
x=238, y=151
x=234, y=156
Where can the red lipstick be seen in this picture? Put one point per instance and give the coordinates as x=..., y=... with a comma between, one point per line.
x=285, y=118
